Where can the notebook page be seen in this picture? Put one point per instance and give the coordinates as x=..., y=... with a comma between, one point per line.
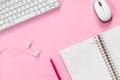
x=84, y=62
x=112, y=40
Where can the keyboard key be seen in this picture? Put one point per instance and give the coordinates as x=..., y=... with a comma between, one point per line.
x=7, y=4
x=14, y=16
x=27, y=6
x=6, y=15
x=40, y=1
x=10, y=13
x=15, y=5
x=7, y=9
x=37, y=12
x=57, y=4
x=0, y=27
x=3, y=5
x=39, y=6
x=19, y=4
x=18, y=9
x=24, y=2
x=35, y=2
x=22, y=13
x=5, y=20
x=28, y=1
x=27, y=11
x=22, y=8
x=42, y=10
x=23, y=18
x=44, y=4
x=51, y=1
x=3, y=11
x=31, y=4
x=18, y=14
x=1, y=22
x=47, y=8
x=31, y=9
x=11, y=23
x=2, y=16
x=14, y=11
x=35, y=7
x=3, y=26
x=7, y=25
x=52, y=7
x=11, y=2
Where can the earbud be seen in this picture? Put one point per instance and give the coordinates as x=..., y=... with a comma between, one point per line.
x=36, y=54
x=29, y=45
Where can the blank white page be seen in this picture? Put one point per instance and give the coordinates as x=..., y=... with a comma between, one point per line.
x=112, y=40
x=84, y=62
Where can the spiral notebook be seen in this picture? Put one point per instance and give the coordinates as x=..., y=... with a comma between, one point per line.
x=95, y=59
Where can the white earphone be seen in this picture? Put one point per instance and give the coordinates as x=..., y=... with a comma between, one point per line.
x=29, y=45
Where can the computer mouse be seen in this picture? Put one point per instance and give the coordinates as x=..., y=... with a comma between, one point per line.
x=102, y=10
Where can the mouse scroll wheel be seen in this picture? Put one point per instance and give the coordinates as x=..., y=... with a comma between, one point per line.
x=100, y=4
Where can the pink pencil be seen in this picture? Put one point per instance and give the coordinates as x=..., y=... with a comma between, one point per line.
x=55, y=69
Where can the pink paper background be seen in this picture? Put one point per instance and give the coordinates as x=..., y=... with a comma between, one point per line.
x=74, y=22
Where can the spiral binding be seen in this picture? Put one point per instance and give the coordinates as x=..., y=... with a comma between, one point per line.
x=106, y=56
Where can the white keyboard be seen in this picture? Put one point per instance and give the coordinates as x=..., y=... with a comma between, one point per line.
x=13, y=12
